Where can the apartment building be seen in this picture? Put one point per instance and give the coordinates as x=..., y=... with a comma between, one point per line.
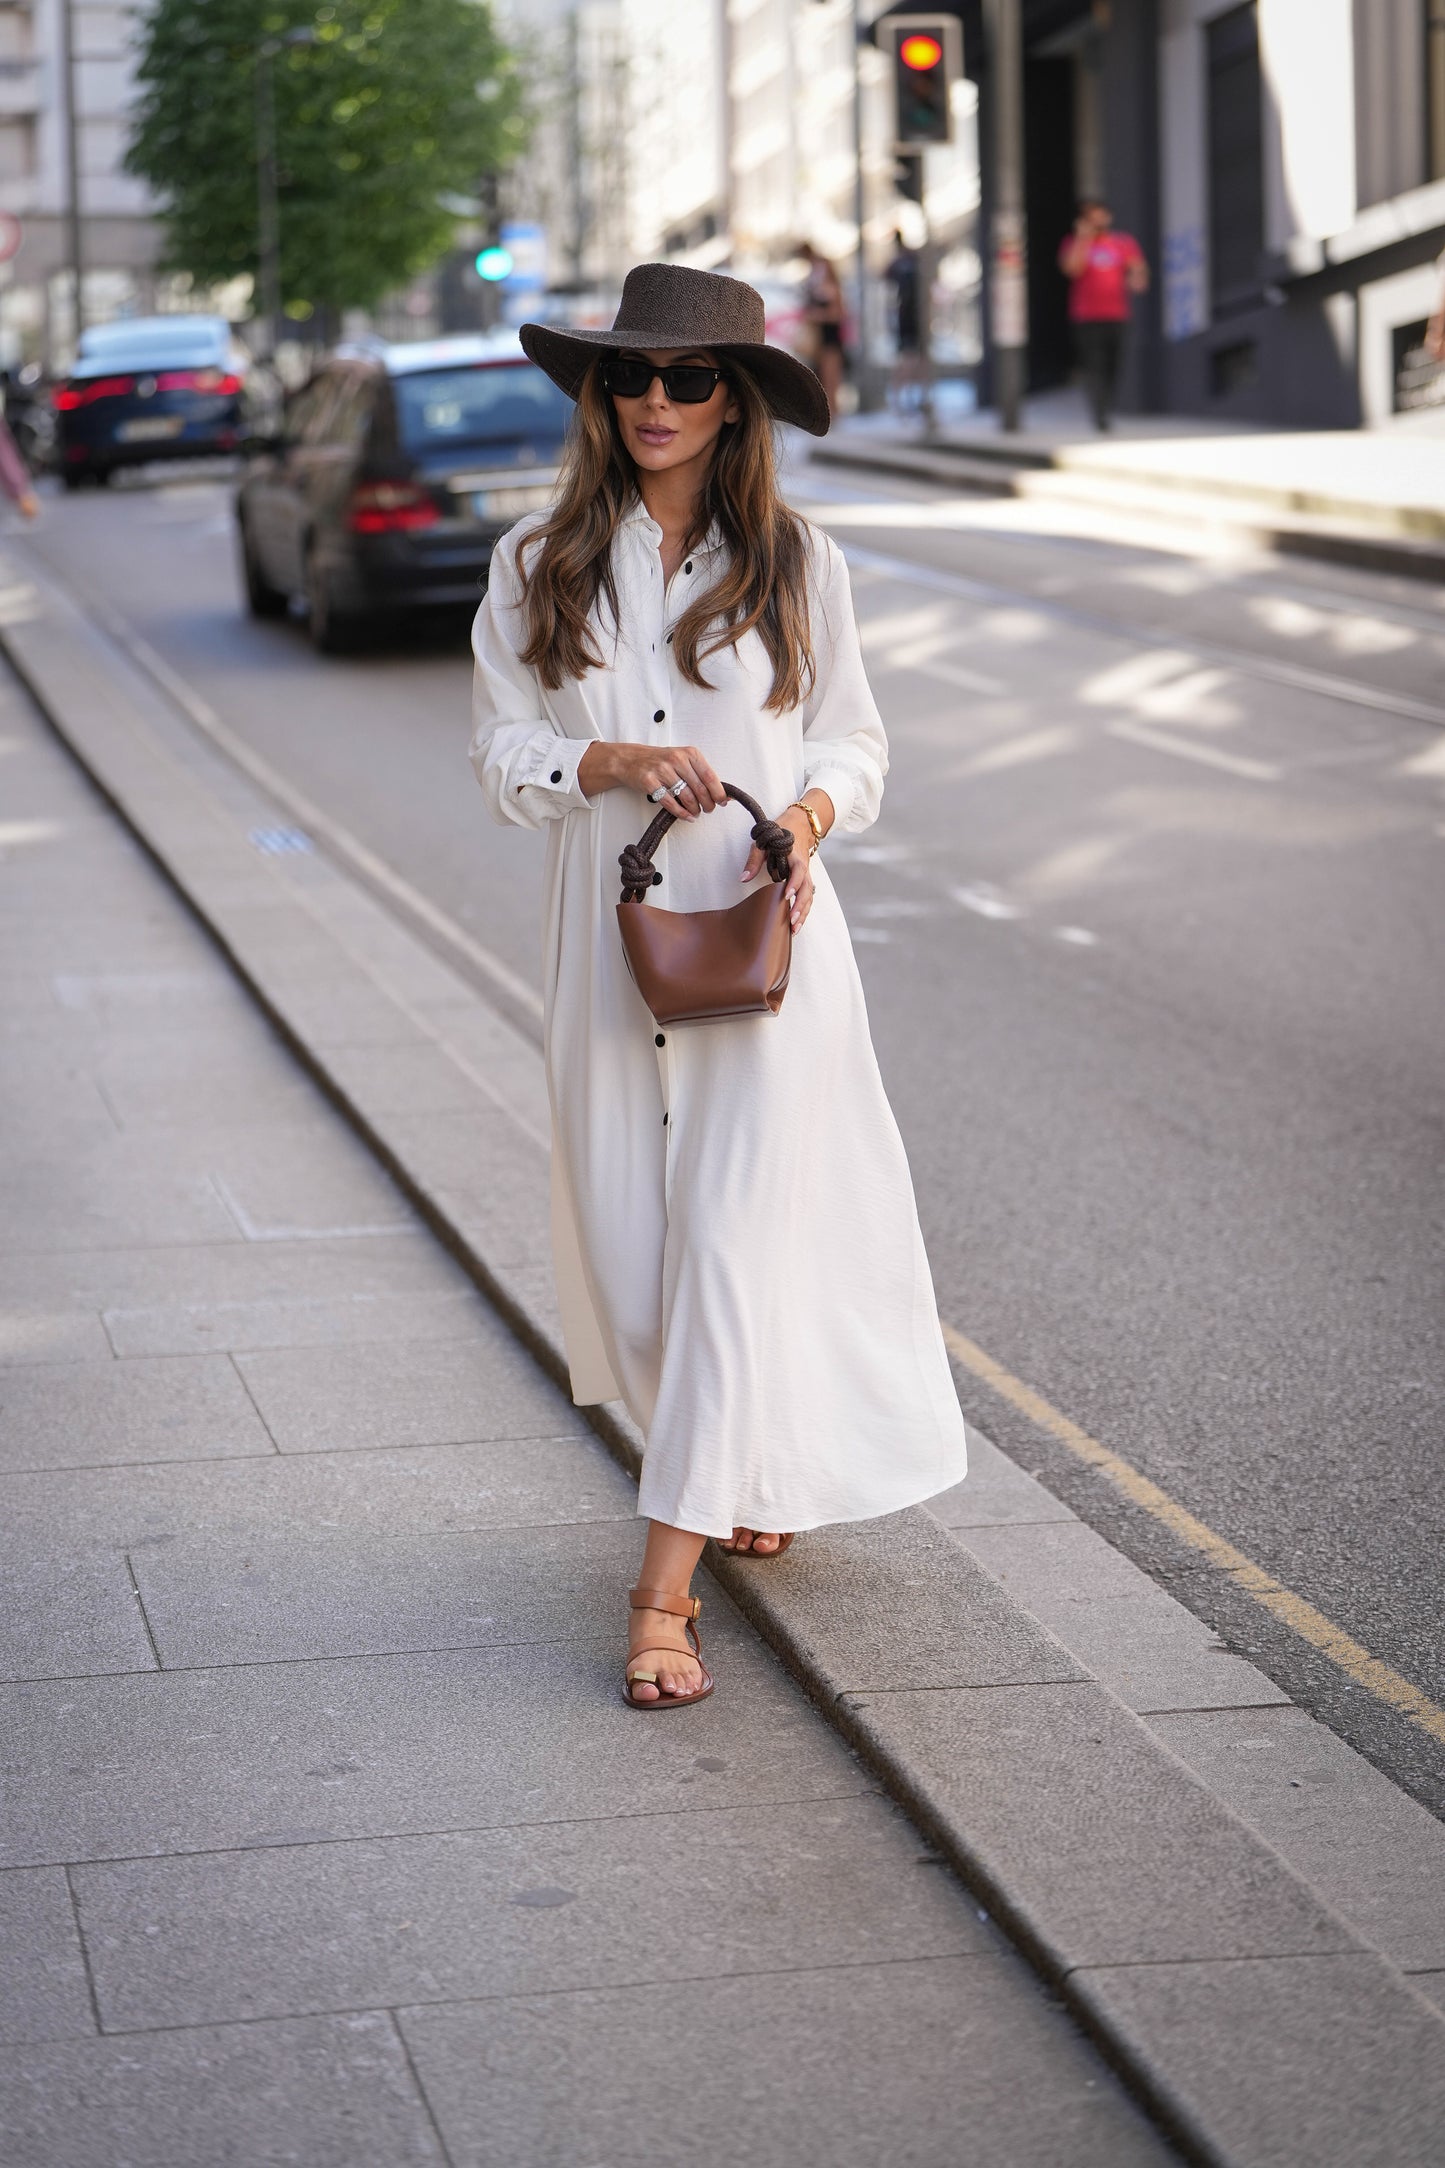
x=121, y=236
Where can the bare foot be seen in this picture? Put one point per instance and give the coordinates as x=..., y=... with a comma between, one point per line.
x=658, y=1642
x=752, y=1539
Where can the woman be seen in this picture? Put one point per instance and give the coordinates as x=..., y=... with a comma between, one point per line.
x=824, y=310
x=736, y=1245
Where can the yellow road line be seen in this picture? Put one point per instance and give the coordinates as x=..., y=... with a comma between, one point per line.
x=1345, y=1654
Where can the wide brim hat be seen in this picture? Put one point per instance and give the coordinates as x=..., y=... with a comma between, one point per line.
x=671, y=304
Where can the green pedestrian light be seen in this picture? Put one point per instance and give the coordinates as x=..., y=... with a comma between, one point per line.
x=494, y=263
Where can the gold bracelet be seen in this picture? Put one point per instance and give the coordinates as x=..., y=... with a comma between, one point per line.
x=796, y=804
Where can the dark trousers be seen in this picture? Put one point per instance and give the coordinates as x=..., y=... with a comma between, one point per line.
x=1098, y=345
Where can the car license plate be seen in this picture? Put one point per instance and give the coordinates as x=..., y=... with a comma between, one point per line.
x=151, y=429
x=510, y=503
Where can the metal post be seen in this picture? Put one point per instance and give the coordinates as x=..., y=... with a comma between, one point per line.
x=927, y=272
x=268, y=217
x=1008, y=296
x=72, y=162
x=868, y=397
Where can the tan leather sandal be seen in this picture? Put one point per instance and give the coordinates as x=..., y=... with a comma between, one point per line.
x=730, y=1550
x=683, y=1607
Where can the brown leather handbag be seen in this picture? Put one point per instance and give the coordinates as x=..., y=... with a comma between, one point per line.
x=697, y=967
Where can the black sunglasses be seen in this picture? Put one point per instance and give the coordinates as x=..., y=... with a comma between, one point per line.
x=687, y=383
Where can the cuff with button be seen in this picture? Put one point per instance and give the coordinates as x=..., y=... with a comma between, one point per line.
x=549, y=764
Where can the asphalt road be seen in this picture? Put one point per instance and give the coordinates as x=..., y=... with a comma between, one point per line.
x=1150, y=936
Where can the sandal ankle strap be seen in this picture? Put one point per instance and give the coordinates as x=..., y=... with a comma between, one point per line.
x=665, y=1599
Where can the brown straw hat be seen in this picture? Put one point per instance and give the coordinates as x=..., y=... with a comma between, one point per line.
x=670, y=304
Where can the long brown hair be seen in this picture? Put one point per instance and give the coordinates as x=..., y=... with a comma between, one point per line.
x=763, y=584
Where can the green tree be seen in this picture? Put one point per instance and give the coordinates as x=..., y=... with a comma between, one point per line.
x=395, y=107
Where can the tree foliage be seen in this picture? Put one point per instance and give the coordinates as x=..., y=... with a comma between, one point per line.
x=395, y=107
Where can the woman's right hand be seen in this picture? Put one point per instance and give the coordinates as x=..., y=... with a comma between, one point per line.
x=646, y=768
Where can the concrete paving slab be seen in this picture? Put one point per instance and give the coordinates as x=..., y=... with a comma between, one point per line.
x=486, y=1173
x=402, y=1264
x=329, y=2093
x=134, y=998
x=1431, y=1985
x=183, y=1328
x=69, y=1614
x=99, y=1197
x=383, y=1746
x=919, y=2065
x=223, y=1936
x=399, y=1392
x=1368, y=1848
x=1313, y=2062
x=87, y=1415
x=271, y=1599
x=1121, y=1625
x=33, y=1332
x=497, y=1484
x=1101, y=1849
x=148, y=1086
x=44, y=1994
x=420, y=1078
x=896, y=1603
x=995, y=1491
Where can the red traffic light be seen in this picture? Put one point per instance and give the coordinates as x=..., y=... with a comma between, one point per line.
x=921, y=53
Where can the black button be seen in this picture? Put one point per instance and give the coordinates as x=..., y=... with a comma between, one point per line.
x=659, y=715
x=664, y=1121
x=688, y=566
x=660, y=1040
x=556, y=775
x=669, y=639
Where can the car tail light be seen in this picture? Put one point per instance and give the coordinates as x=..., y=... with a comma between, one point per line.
x=70, y=396
x=391, y=508
x=199, y=380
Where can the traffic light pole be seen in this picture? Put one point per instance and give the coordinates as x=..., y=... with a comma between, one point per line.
x=1008, y=287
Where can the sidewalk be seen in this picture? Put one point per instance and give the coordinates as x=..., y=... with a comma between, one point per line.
x=1374, y=498
x=328, y=1838
x=317, y=1622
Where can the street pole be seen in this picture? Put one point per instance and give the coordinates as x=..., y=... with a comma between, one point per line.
x=268, y=216
x=867, y=396
x=72, y=163
x=1008, y=290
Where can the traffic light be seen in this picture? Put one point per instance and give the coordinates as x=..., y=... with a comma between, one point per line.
x=494, y=262
x=927, y=62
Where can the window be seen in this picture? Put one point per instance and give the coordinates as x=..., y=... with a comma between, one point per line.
x=478, y=404
x=1236, y=159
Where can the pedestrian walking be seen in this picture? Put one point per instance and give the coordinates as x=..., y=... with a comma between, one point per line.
x=736, y=1243
x=904, y=275
x=15, y=475
x=825, y=309
x=1104, y=270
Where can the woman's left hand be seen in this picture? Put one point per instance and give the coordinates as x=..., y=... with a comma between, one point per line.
x=800, y=871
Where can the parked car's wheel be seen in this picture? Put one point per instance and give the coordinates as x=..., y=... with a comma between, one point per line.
x=262, y=599
x=334, y=631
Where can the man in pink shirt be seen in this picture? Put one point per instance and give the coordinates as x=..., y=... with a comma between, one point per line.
x=1103, y=269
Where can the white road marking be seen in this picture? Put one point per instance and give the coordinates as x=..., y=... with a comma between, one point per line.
x=985, y=901
x=1076, y=936
x=1209, y=756
x=1348, y=690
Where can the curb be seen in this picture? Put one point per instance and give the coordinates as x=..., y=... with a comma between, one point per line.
x=1332, y=537
x=1179, y=1939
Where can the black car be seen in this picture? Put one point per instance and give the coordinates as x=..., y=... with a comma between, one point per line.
x=150, y=387
x=396, y=472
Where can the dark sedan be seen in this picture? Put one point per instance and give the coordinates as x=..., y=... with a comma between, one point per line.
x=396, y=472
x=154, y=387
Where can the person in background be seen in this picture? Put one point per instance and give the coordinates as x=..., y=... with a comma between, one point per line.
x=824, y=309
x=1104, y=269
x=903, y=275
x=15, y=475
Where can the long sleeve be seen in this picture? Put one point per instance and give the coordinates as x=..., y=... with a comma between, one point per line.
x=526, y=767
x=845, y=747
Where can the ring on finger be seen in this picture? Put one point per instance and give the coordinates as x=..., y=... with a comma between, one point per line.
x=678, y=788
x=655, y=797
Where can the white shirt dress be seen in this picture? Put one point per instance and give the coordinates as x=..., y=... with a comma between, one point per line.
x=737, y=1249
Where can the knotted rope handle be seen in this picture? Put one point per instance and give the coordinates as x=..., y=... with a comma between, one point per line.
x=639, y=873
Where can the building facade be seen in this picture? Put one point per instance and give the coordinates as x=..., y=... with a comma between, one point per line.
x=1283, y=164
x=121, y=237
